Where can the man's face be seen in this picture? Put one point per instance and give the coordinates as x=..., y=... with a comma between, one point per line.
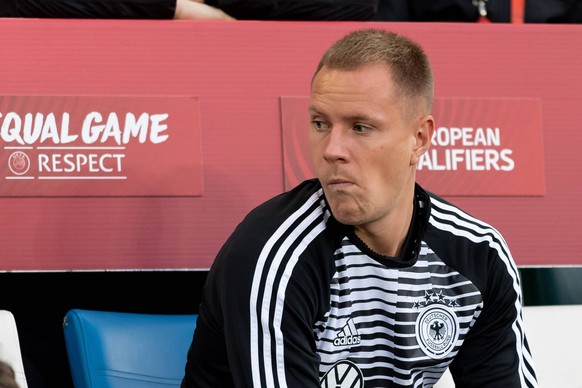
x=363, y=145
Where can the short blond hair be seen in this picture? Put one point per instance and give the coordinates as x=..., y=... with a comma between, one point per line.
x=409, y=64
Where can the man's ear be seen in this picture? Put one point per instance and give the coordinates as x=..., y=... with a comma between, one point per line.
x=423, y=136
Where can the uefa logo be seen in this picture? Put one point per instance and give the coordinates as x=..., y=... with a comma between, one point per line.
x=19, y=163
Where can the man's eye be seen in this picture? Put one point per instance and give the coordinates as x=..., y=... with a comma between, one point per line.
x=360, y=128
x=319, y=125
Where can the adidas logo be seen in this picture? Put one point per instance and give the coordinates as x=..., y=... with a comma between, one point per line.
x=348, y=335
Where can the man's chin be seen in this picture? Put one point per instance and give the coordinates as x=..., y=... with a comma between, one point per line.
x=346, y=216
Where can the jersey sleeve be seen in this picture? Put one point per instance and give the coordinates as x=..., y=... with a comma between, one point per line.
x=495, y=352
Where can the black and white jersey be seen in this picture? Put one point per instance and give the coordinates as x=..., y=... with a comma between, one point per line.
x=296, y=299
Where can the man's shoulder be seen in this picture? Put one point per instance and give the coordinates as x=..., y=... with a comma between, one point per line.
x=286, y=203
x=443, y=210
x=295, y=204
x=453, y=232
x=449, y=222
x=291, y=215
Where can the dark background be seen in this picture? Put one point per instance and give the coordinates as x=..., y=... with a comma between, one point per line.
x=40, y=300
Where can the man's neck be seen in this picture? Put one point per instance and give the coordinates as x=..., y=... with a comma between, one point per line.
x=388, y=236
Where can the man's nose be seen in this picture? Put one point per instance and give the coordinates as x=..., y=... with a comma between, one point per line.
x=336, y=145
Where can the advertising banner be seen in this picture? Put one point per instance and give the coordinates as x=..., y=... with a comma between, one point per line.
x=100, y=146
x=481, y=147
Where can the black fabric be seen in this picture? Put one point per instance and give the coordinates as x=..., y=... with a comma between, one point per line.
x=393, y=11
x=553, y=11
x=312, y=10
x=89, y=9
x=498, y=11
x=7, y=8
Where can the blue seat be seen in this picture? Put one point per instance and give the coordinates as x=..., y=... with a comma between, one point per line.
x=127, y=350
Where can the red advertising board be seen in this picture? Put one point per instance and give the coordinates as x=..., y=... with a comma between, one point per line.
x=100, y=146
x=506, y=96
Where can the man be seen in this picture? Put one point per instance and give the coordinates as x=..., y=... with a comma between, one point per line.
x=360, y=277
